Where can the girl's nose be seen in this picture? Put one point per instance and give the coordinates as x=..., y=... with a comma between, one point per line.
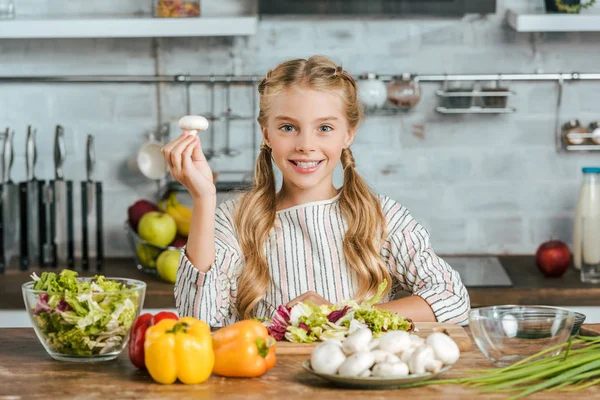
x=305, y=143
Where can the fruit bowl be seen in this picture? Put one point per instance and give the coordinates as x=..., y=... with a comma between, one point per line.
x=89, y=322
x=146, y=254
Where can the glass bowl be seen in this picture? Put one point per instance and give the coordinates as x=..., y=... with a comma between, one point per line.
x=146, y=253
x=507, y=334
x=78, y=334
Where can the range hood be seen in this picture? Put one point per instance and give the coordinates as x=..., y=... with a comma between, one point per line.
x=377, y=7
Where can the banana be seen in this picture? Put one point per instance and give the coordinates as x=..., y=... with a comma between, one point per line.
x=180, y=213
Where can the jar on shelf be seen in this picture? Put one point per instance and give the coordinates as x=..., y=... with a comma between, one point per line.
x=372, y=93
x=594, y=129
x=404, y=92
x=458, y=94
x=176, y=8
x=573, y=126
x=494, y=96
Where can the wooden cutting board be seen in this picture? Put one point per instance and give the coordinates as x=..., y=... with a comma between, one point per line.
x=457, y=333
x=586, y=330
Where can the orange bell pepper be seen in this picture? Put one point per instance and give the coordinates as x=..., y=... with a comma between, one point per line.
x=243, y=349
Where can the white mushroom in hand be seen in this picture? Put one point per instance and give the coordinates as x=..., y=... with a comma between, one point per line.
x=193, y=123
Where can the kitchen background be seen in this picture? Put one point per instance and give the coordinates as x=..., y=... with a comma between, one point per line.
x=481, y=184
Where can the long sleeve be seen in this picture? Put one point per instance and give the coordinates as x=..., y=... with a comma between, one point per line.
x=211, y=296
x=418, y=270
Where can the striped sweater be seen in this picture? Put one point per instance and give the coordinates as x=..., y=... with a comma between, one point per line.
x=304, y=253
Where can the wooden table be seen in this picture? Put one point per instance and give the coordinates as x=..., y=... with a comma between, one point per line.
x=27, y=371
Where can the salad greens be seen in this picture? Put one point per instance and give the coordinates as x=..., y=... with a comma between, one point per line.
x=78, y=317
x=307, y=323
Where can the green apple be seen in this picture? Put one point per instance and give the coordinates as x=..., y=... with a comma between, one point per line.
x=147, y=254
x=167, y=264
x=157, y=228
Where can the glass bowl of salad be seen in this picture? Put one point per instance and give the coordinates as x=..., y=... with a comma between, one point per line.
x=83, y=319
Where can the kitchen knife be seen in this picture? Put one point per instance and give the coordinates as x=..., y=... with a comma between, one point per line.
x=59, y=222
x=10, y=202
x=32, y=197
x=99, y=230
x=88, y=191
x=41, y=208
x=2, y=183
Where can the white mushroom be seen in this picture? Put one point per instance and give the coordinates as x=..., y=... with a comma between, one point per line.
x=365, y=374
x=407, y=354
x=423, y=359
x=374, y=344
x=193, y=123
x=445, y=349
x=358, y=341
x=416, y=341
x=388, y=370
x=392, y=359
x=326, y=358
x=357, y=363
x=380, y=355
x=395, y=341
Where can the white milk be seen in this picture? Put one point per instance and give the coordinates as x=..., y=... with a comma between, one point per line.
x=588, y=205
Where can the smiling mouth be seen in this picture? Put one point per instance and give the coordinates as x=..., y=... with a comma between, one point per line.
x=306, y=164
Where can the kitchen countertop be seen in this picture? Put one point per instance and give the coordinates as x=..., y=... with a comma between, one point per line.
x=33, y=373
x=529, y=286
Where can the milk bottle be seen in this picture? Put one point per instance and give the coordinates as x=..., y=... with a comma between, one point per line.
x=588, y=205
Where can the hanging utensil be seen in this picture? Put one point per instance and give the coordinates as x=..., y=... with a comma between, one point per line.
x=6, y=161
x=227, y=150
x=28, y=199
x=61, y=216
x=91, y=210
x=210, y=152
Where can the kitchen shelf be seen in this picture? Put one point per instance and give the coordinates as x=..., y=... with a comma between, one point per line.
x=127, y=27
x=543, y=22
x=474, y=110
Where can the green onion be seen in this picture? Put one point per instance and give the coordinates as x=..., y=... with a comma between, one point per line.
x=577, y=368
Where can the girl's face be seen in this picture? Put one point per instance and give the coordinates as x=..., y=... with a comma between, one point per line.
x=307, y=131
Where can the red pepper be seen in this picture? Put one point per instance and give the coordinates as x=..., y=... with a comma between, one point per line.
x=138, y=335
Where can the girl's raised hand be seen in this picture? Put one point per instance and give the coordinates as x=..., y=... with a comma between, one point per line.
x=188, y=165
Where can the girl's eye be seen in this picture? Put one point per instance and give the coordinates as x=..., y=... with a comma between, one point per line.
x=325, y=128
x=287, y=128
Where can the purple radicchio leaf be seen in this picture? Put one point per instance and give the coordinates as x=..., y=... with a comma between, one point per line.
x=280, y=322
x=63, y=306
x=334, y=316
x=305, y=327
x=42, y=305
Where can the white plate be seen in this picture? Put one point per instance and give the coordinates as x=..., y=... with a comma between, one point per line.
x=373, y=382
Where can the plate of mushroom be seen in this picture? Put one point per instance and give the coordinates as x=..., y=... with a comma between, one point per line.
x=396, y=359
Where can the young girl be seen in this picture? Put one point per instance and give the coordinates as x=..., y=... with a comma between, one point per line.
x=309, y=241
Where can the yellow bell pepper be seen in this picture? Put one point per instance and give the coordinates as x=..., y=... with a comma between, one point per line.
x=179, y=349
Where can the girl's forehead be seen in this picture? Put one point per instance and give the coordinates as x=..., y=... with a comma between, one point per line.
x=306, y=102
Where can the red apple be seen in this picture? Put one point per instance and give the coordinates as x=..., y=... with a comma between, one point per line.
x=137, y=210
x=553, y=258
x=179, y=241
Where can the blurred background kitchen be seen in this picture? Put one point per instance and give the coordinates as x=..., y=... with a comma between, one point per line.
x=487, y=170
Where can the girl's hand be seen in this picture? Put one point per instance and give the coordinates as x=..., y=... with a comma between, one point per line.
x=188, y=165
x=313, y=297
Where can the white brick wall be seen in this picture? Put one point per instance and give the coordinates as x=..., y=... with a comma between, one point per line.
x=480, y=184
